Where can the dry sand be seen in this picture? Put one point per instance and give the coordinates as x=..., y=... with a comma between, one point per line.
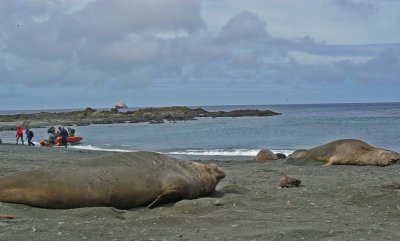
x=334, y=203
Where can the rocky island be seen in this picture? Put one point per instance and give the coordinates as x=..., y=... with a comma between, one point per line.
x=92, y=116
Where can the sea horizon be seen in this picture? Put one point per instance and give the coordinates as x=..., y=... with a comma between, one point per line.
x=212, y=107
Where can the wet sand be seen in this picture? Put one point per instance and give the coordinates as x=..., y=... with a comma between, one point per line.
x=334, y=203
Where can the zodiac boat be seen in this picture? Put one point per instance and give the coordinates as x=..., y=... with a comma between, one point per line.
x=70, y=139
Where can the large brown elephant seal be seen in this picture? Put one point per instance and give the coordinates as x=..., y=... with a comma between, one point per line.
x=265, y=155
x=348, y=152
x=123, y=180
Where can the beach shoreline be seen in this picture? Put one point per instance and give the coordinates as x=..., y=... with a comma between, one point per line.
x=334, y=203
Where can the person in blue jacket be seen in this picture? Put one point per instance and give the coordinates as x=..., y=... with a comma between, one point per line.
x=62, y=132
x=29, y=136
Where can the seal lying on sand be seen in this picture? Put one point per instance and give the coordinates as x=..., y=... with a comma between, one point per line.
x=265, y=155
x=286, y=181
x=350, y=152
x=123, y=180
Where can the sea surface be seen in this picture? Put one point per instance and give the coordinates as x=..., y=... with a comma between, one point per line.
x=298, y=127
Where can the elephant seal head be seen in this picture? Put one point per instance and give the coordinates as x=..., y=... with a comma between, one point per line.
x=299, y=154
x=210, y=175
x=386, y=157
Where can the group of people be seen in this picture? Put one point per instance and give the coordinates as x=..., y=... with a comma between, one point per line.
x=20, y=135
x=62, y=132
x=52, y=135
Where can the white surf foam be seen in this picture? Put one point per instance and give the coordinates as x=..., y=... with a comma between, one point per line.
x=193, y=152
x=96, y=148
x=226, y=152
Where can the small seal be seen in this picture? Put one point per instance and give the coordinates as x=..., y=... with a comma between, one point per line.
x=123, y=180
x=286, y=181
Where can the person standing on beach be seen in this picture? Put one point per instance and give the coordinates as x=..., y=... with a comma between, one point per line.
x=51, y=133
x=29, y=136
x=64, y=135
x=20, y=134
x=71, y=131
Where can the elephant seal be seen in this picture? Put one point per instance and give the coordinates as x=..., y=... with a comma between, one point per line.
x=265, y=155
x=348, y=152
x=122, y=180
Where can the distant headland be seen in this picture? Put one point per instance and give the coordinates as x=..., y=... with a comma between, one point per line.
x=90, y=116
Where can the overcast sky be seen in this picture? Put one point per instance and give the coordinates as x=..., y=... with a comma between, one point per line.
x=94, y=53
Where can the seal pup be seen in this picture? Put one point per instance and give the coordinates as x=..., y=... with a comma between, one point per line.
x=280, y=155
x=123, y=180
x=286, y=181
x=348, y=152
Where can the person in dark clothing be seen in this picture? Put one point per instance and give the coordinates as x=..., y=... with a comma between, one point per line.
x=71, y=131
x=52, y=130
x=51, y=135
x=29, y=136
x=62, y=132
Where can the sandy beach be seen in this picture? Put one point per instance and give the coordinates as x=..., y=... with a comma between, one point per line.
x=334, y=203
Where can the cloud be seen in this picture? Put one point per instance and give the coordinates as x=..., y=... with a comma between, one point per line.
x=244, y=26
x=362, y=8
x=127, y=16
x=131, y=45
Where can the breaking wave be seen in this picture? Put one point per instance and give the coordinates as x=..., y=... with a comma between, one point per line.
x=96, y=148
x=225, y=152
x=191, y=152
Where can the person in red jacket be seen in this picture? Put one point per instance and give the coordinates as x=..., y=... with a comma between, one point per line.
x=20, y=134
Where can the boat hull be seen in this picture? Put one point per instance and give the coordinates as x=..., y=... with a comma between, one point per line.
x=70, y=139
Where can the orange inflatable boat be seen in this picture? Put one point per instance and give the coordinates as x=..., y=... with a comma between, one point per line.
x=70, y=139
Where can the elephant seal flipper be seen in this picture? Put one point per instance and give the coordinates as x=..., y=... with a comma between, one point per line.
x=167, y=196
x=330, y=161
x=174, y=191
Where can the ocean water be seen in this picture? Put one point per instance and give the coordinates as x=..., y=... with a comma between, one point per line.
x=299, y=127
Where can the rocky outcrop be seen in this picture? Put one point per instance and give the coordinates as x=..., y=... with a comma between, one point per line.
x=241, y=113
x=91, y=116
